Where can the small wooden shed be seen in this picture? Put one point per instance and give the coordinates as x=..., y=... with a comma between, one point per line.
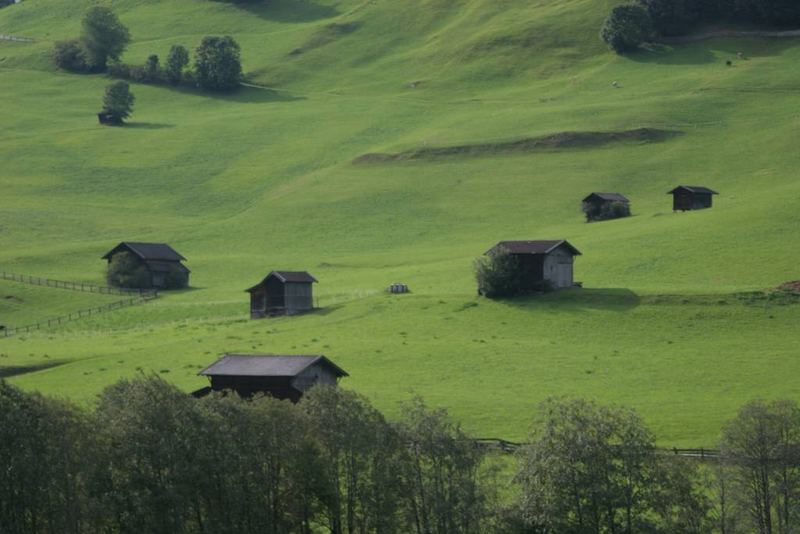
x=159, y=259
x=282, y=293
x=691, y=197
x=543, y=263
x=281, y=376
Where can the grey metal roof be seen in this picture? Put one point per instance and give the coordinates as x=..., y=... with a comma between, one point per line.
x=160, y=266
x=297, y=277
x=267, y=365
x=534, y=247
x=695, y=189
x=147, y=251
x=612, y=197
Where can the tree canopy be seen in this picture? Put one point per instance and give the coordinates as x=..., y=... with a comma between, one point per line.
x=104, y=36
x=217, y=63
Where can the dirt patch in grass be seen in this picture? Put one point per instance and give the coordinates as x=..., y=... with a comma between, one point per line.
x=793, y=286
x=558, y=141
x=325, y=35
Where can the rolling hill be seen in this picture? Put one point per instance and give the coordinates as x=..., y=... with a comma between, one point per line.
x=670, y=320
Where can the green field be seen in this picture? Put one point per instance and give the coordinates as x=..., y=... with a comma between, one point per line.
x=264, y=179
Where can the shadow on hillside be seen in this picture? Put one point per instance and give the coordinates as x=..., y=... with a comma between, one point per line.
x=713, y=51
x=243, y=95
x=611, y=299
x=148, y=125
x=291, y=10
x=16, y=370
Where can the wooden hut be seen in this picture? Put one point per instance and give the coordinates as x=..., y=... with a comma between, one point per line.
x=160, y=260
x=599, y=206
x=544, y=264
x=282, y=293
x=691, y=197
x=281, y=376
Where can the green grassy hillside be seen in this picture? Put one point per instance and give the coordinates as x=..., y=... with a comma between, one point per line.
x=264, y=179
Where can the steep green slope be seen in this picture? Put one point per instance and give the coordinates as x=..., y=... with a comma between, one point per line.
x=264, y=178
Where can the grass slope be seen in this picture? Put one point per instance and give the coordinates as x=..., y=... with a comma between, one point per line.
x=263, y=179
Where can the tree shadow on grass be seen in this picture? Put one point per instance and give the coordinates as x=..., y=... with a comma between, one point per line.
x=148, y=125
x=291, y=10
x=248, y=94
x=610, y=299
x=709, y=51
x=16, y=370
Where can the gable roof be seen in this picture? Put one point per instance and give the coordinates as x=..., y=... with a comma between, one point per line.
x=275, y=365
x=534, y=247
x=147, y=251
x=611, y=197
x=694, y=189
x=295, y=277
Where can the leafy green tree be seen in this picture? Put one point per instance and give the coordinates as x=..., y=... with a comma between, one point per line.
x=177, y=60
x=118, y=105
x=442, y=484
x=45, y=449
x=151, y=68
x=105, y=37
x=217, y=64
x=71, y=55
x=672, y=17
x=127, y=271
x=761, y=446
x=152, y=473
x=591, y=468
x=361, y=473
x=498, y=274
x=626, y=28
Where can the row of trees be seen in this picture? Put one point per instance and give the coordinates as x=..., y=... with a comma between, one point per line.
x=630, y=25
x=104, y=38
x=151, y=459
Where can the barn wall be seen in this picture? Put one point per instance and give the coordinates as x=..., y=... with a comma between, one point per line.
x=558, y=267
x=275, y=293
x=532, y=268
x=299, y=297
x=312, y=375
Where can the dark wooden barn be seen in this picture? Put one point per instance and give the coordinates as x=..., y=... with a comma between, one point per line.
x=543, y=263
x=691, y=197
x=282, y=293
x=281, y=376
x=160, y=260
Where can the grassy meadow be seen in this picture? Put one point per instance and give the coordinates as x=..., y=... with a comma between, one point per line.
x=264, y=179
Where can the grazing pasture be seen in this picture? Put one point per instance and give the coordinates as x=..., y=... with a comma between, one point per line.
x=264, y=178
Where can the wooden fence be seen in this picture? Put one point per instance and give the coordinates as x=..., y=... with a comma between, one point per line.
x=74, y=316
x=135, y=296
x=74, y=286
x=510, y=447
x=15, y=38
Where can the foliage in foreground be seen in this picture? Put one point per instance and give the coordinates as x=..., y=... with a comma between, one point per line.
x=117, y=103
x=498, y=274
x=153, y=459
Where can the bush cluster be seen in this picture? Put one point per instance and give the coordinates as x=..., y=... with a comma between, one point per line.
x=150, y=458
x=103, y=39
x=125, y=270
x=630, y=25
x=606, y=211
x=498, y=274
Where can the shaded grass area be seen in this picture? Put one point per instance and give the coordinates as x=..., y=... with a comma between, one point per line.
x=563, y=141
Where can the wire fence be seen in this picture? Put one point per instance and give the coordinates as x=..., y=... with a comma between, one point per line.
x=135, y=296
x=511, y=447
x=74, y=286
x=15, y=38
x=80, y=314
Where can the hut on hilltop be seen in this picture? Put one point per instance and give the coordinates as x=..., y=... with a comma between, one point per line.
x=280, y=376
x=282, y=293
x=691, y=197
